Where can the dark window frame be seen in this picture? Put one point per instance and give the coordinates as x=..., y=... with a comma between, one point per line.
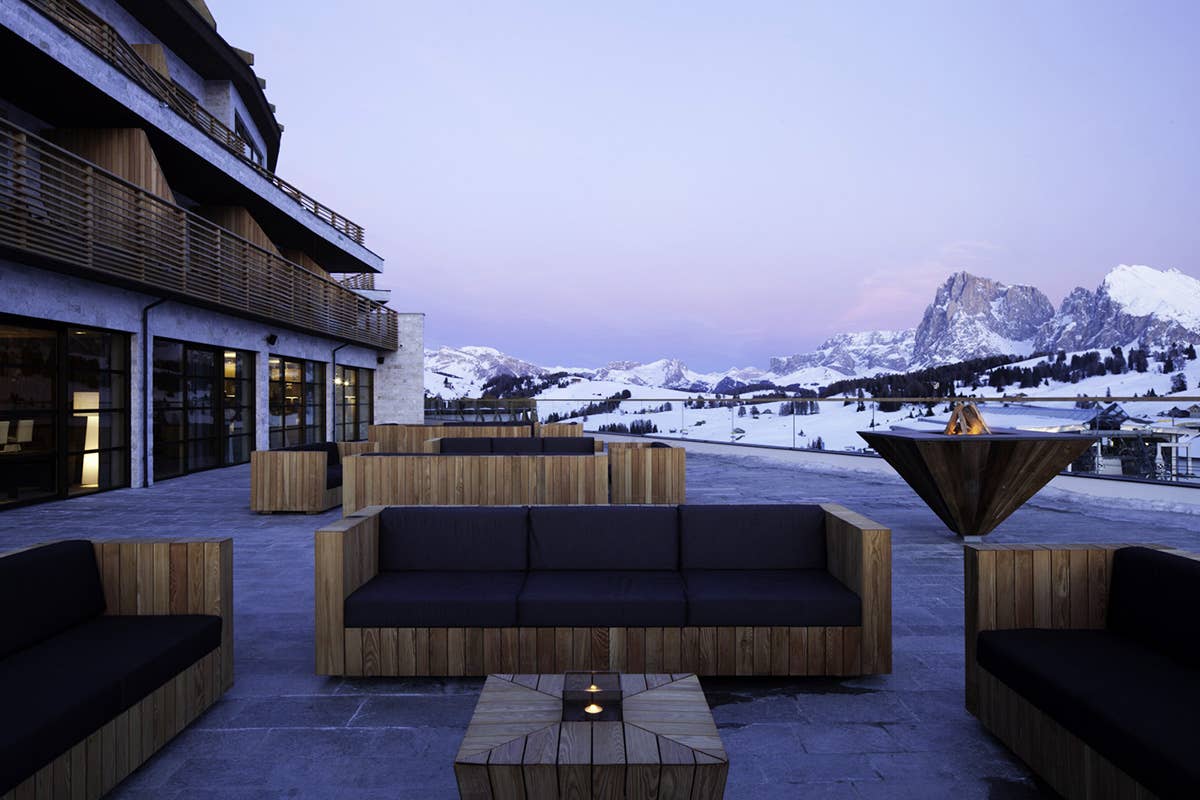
x=283, y=435
x=340, y=406
x=220, y=437
x=61, y=410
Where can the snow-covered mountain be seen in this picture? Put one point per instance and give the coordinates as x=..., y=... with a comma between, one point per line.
x=973, y=317
x=970, y=317
x=1134, y=304
x=851, y=354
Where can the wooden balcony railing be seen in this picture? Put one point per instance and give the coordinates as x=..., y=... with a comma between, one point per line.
x=363, y=280
x=103, y=39
x=58, y=206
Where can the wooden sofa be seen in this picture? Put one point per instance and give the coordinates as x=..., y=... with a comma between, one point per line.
x=110, y=650
x=404, y=438
x=431, y=591
x=1085, y=661
x=306, y=478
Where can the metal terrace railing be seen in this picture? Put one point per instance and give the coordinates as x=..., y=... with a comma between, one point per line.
x=103, y=39
x=1133, y=437
x=60, y=207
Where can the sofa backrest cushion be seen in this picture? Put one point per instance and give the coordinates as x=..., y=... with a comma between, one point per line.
x=45, y=590
x=568, y=445
x=752, y=536
x=1154, y=598
x=330, y=450
x=453, y=538
x=465, y=445
x=517, y=445
x=603, y=537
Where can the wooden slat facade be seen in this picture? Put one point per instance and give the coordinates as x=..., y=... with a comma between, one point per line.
x=1051, y=587
x=347, y=556
x=240, y=221
x=294, y=480
x=640, y=473
x=125, y=152
x=149, y=577
x=78, y=216
x=381, y=480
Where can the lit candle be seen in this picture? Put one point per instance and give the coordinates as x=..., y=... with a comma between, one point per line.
x=592, y=688
x=593, y=709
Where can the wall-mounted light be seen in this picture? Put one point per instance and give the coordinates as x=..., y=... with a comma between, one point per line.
x=272, y=339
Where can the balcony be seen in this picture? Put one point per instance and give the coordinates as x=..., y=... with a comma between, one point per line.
x=102, y=39
x=63, y=209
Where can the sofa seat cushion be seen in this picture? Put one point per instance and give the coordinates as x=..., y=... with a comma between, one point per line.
x=46, y=590
x=333, y=477
x=440, y=599
x=603, y=598
x=1133, y=705
x=60, y=691
x=465, y=445
x=793, y=597
x=752, y=536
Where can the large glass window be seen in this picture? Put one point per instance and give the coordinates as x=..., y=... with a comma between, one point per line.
x=297, y=401
x=203, y=407
x=64, y=411
x=352, y=389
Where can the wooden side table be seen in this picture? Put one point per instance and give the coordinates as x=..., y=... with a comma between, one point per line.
x=665, y=744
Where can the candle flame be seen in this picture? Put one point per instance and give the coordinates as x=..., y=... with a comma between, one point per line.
x=593, y=709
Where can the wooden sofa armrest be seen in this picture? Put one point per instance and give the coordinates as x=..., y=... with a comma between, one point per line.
x=859, y=554
x=171, y=577
x=356, y=448
x=1032, y=586
x=346, y=557
x=287, y=480
x=432, y=445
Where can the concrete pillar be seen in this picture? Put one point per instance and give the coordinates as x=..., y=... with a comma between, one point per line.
x=400, y=379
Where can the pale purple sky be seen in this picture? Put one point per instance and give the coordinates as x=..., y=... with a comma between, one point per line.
x=580, y=182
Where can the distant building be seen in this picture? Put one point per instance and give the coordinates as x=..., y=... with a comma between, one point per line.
x=167, y=302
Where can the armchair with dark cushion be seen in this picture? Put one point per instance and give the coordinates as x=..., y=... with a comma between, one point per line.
x=1085, y=661
x=116, y=648
x=717, y=590
x=303, y=477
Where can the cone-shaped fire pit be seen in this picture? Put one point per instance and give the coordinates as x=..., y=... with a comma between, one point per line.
x=971, y=477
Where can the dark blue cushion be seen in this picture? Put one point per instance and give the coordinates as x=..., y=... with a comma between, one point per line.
x=752, y=537
x=464, y=445
x=516, y=445
x=333, y=476
x=568, y=445
x=436, y=600
x=1133, y=705
x=328, y=448
x=453, y=538
x=603, y=598
x=62, y=690
x=794, y=597
x=1154, y=598
x=45, y=590
x=603, y=537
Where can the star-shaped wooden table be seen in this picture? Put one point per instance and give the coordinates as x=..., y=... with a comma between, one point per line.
x=665, y=744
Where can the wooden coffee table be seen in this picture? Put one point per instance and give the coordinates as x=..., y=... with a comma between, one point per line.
x=663, y=745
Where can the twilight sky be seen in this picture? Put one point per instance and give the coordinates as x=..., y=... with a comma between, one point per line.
x=575, y=183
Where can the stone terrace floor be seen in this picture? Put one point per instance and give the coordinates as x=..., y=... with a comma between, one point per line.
x=284, y=732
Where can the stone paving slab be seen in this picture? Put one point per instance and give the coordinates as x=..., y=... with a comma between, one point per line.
x=283, y=731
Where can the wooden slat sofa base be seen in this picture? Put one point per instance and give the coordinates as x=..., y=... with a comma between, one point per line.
x=92, y=768
x=294, y=480
x=706, y=651
x=144, y=577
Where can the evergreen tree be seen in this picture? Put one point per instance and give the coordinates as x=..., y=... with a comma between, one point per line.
x=741, y=411
x=1179, y=383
